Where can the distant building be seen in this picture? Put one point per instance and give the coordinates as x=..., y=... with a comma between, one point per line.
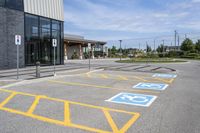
x=77, y=46
x=172, y=48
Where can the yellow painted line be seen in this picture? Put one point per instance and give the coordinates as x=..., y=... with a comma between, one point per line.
x=89, y=128
x=22, y=93
x=166, y=81
x=110, y=121
x=79, y=84
x=90, y=106
x=102, y=87
x=171, y=81
x=129, y=123
x=136, y=77
x=33, y=116
x=66, y=121
x=104, y=76
x=122, y=77
x=60, y=100
x=8, y=99
x=33, y=106
x=57, y=122
x=67, y=113
x=127, y=78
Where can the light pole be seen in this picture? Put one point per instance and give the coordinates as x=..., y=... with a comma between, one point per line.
x=163, y=47
x=120, y=41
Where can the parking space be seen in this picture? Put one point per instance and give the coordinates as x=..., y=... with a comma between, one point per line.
x=99, y=101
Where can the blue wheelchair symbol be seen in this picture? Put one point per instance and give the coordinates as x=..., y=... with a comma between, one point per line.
x=133, y=99
x=151, y=86
x=167, y=76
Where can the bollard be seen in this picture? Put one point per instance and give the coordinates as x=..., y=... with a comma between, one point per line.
x=37, y=69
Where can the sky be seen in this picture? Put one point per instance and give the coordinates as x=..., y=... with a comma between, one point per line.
x=133, y=21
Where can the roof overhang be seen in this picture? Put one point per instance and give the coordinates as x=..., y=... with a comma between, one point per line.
x=76, y=41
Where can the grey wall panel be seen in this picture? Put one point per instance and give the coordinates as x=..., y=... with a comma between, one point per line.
x=3, y=39
x=48, y=8
x=11, y=24
x=15, y=26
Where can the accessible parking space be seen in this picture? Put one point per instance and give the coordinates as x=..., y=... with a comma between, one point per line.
x=99, y=101
x=151, y=86
x=133, y=99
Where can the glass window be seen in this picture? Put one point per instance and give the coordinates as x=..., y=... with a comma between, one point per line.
x=2, y=2
x=31, y=39
x=55, y=25
x=56, y=34
x=39, y=33
x=45, y=23
x=45, y=40
x=15, y=4
x=31, y=26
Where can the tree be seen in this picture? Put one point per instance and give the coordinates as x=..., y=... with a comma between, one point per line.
x=148, y=49
x=113, y=50
x=197, y=46
x=187, y=45
x=161, y=49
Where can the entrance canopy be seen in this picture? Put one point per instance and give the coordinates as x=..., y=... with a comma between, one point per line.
x=76, y=47
x=75, y=39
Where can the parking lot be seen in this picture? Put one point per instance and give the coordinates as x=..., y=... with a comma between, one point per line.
x=132, y=98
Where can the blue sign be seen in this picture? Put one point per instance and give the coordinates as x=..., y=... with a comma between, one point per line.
x=167, y=76
x=133, y=99
x=151, y=86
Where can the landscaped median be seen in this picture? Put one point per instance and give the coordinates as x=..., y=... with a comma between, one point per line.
x=152, y=60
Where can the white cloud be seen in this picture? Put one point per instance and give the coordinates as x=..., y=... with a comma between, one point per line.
x=100, y=17
x=196, y=1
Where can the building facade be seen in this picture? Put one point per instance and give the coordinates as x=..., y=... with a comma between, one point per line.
x=76, y=47
x=38, y=22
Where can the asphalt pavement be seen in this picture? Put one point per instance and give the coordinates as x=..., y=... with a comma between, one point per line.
x=112, y=97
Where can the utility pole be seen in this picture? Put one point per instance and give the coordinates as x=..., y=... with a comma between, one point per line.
x=146, y=46
x=120, y=41
x=163, y=46
x=178, y=40
x=139, y=46
x=154, y=45
x=147, y=52
x=175, y=39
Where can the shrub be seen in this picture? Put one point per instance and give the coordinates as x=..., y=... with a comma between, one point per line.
x=86, y=55
x=75, y=56
x=175, y=54
x=193, y=54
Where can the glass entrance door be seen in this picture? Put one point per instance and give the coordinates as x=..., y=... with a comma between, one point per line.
x=45, y=51
x=45, y=41
x=32, y=53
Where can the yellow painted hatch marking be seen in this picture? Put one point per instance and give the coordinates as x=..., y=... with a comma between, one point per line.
x=67, y=122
